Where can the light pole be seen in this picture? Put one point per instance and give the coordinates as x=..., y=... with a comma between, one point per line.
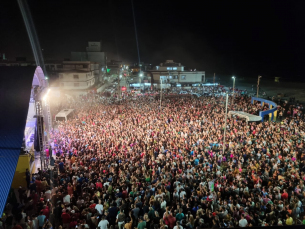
x=141, y=75
x=258, y=79
x=233, y=77
x=224, y=134
x=160, y=92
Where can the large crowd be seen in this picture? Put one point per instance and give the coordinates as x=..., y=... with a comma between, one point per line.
x=139, y=165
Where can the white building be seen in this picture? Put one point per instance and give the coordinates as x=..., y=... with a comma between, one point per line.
x=78, y=75
x=93, y=53
x=173, y=74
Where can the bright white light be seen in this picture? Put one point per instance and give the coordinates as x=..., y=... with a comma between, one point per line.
x=46, y=95
x=141, y=74
x=120, y=76
x=233, y=77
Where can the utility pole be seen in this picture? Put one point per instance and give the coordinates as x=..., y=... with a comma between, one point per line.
x=258, y=85
x=233, y=77
x=224, y=134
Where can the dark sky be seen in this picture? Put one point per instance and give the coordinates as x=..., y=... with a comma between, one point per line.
x=243, y=38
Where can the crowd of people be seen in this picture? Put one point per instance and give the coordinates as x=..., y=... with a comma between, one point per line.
x=139, y=165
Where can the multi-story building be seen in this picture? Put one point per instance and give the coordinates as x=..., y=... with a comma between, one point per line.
x=173, y=74
x=78, y=75
x=93, y=53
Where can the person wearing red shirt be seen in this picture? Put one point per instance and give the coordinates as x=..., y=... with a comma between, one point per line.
x=285, y=195
x=169, y=220
x=92, y=206
x=99, y=185
x=73, y=223
x=66, y=218
x=46, y=211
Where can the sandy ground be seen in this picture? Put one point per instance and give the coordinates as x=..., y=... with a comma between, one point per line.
x=289, y=89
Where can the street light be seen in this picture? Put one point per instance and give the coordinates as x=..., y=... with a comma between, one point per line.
x=233, y=77
x=259, y=77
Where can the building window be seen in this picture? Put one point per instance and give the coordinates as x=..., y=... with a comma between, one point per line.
x=183, y=77
x=169, y=68
x=59, y=66
x=76, y=84
x=175, y=77
x=170, y=77
x=75, y=77
x=157, y=67
x=61, y=76
x=85, y=65
x=175, y=68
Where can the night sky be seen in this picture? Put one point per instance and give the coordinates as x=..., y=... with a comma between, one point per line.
x=244, y=38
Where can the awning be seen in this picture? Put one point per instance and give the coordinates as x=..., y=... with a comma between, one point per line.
x=247, y=116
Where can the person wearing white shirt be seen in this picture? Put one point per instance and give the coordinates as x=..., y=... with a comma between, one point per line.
x=99, y=207
x=163, y=205
x=103, y=224
x=67, y=199
x=48, y=194
x=182, y=193
x=243, y=222
x=35, y=223
x=178, y=226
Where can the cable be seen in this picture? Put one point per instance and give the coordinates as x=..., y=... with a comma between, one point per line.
x=135, y=28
